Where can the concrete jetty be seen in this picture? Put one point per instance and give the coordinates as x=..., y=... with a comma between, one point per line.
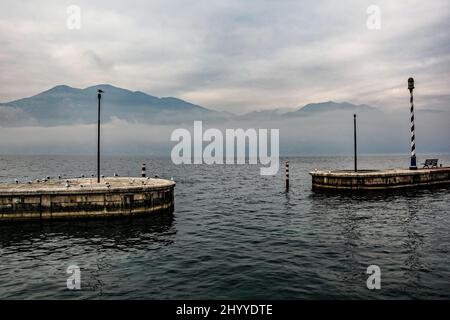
x=379, y=179
x=85, y=198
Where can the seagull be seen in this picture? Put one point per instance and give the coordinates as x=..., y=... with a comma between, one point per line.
x=100, y=91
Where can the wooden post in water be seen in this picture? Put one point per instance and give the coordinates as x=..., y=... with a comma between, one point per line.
x=287, y=176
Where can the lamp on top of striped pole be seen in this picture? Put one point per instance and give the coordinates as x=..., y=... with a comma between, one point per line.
x=413, y=165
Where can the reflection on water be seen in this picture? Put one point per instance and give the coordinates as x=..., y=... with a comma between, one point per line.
x=121, y=234
x=396, y=224
x=86, y=243
x=236, y=235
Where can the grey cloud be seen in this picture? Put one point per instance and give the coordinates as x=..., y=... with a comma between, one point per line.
x=97, y=61
x=231, y=55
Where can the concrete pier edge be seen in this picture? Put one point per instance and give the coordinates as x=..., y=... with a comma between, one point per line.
x=85, y=198
x=379, y=179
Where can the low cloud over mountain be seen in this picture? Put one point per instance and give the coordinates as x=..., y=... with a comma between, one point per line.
x=63, y=105
x=63, y=120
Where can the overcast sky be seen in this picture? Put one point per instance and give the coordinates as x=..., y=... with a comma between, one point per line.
x=235, y=56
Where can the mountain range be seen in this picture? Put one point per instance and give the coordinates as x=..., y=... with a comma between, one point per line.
x=62, y=120
x=63, y=105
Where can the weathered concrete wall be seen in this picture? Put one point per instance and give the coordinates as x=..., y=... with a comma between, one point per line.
x=84, y=202
x=379, y=179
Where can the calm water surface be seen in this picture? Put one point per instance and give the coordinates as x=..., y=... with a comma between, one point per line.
x=234, y=234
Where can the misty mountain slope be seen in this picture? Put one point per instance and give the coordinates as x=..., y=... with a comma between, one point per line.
x=13, y=117
x=331, y=106
x=323, y=109
x=66, y=105
x=63, y=120
x=263, y=114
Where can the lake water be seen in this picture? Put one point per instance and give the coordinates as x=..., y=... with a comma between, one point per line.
x=234, y=234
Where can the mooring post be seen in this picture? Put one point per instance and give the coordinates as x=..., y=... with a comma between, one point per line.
x=99, y=96
x=143, y=170
x=413, y=136
x=287, y=176
x=354, y=142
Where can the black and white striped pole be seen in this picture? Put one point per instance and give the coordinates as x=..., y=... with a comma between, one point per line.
x=287, y=176
x=143, y=170
x=413, y=136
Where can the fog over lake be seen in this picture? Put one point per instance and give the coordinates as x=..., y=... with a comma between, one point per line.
x=323, y=133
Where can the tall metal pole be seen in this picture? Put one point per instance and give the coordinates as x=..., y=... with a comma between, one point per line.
x=413, y=136
x=354, y=141
x=99, y=96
